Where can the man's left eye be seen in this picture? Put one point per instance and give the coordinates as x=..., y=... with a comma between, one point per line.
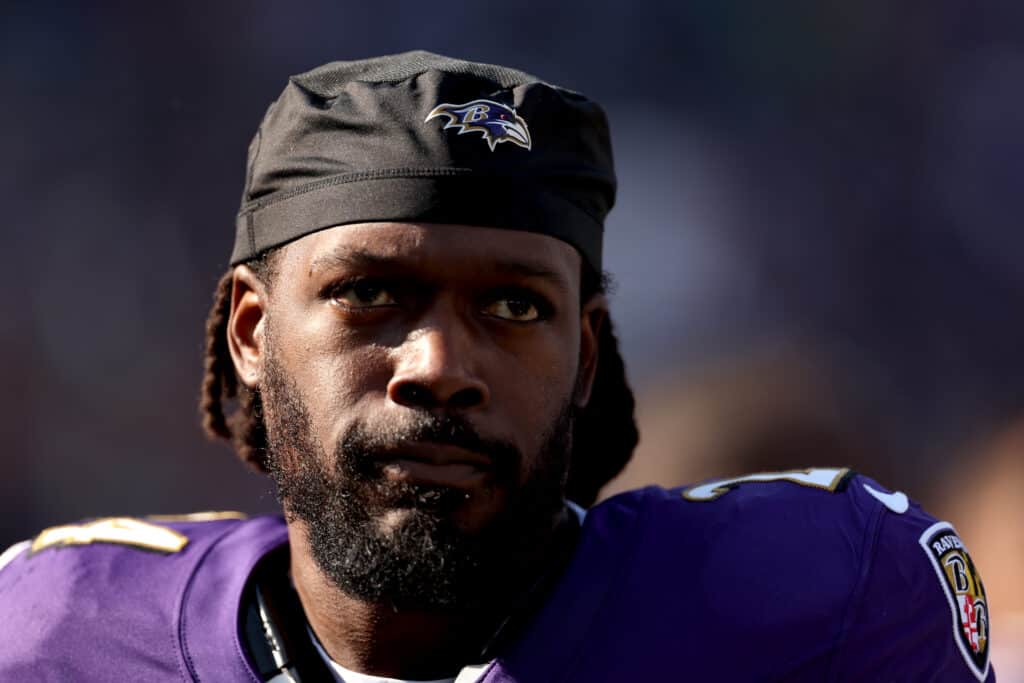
x=516, y=309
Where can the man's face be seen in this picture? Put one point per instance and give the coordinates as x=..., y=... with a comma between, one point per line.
x=418, y=385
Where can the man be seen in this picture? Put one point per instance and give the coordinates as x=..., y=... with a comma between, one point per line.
x=415, y=333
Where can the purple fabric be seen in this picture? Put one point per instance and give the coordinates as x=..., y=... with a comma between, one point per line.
x=208, y=619
x=771, y=581
x=108, y=612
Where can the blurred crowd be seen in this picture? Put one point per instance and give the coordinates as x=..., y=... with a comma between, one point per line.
x=816, y=246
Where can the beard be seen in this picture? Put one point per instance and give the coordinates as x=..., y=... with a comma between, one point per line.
x=425, y=562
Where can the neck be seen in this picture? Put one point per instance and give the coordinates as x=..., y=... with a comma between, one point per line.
x=375, y=638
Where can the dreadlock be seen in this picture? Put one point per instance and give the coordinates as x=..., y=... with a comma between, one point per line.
x=603, y=439
x=605, y=433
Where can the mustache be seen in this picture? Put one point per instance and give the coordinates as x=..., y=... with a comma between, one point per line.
x=362, y=445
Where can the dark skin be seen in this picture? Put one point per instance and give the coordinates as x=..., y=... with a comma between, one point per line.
x=375, y=320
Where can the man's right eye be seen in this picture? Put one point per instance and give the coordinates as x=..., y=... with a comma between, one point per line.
x=362, y=294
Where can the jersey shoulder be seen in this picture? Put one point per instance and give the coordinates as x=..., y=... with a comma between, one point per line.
x=829, y=574
x=807, y=505
x=101, y=593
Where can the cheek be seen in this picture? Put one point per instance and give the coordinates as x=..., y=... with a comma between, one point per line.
x=335, y=373
x=532, y=385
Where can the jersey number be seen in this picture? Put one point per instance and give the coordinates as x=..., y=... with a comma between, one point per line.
x=119, y=530
x=815, y=478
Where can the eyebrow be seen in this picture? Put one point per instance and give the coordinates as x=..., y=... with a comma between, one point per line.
x=349, y=258
x=531, y=269
x=363, y=259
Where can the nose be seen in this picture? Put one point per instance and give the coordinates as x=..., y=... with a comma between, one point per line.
x=436, y=370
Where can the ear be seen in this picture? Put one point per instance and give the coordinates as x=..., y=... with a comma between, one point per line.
x=592, y=318
x=246, y=325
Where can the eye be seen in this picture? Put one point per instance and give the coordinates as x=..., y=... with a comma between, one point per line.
x=520, y=308
x=362, y=294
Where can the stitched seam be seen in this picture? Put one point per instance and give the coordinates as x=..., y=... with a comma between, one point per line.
x=182, y=642
x=868, y=550
x=251, y=208
x=385, y=174
x=506, y=84
x=175, y=647
x=345, y=178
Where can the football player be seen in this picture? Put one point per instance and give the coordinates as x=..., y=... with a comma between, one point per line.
x=413, y=342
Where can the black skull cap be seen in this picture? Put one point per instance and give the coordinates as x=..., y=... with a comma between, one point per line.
x=418, y=137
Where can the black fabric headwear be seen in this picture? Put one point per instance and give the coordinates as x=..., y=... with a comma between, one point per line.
x=425, y=138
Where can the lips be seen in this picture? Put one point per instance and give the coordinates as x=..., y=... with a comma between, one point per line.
x=437, y=464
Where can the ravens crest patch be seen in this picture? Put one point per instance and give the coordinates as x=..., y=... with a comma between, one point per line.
x=495, y=121
x=965, y=592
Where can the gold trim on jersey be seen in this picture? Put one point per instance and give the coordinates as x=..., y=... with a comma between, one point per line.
x=826, y=478
x=117, y=530
x=206, y=516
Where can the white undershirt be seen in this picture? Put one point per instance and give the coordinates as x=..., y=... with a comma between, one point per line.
x=343, y=675
x=470, y=674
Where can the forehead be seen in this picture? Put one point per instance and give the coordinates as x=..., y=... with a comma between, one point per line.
x=443, y=248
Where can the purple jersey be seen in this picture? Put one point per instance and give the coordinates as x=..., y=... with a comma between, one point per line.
x=814, y=575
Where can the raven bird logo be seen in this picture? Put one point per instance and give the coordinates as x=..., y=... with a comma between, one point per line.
x=495, y=121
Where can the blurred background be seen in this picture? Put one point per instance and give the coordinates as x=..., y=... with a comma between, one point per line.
x=816, y=244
